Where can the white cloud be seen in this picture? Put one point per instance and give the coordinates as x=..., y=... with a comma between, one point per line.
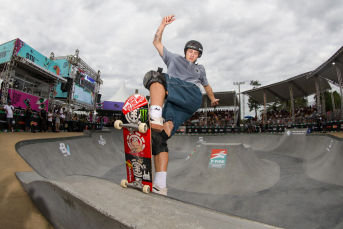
x=267, y=41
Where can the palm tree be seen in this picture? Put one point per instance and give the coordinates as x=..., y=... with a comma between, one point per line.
x=252, y=103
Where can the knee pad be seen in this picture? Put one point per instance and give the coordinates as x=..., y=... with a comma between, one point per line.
x=153, y=77
x=159, y=142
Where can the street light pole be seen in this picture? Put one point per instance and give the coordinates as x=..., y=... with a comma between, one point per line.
x=239, y=92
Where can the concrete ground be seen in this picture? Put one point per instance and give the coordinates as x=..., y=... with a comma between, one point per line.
x=16, y=208
x=290, y=181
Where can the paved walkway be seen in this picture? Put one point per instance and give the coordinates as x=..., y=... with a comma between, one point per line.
x=16, y=208
x=337, y=134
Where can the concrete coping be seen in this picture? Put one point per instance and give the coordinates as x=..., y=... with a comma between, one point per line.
x=126, y=206
x=228, y=144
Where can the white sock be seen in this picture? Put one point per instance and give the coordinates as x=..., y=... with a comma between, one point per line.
x=161, y=179
x=156, y=111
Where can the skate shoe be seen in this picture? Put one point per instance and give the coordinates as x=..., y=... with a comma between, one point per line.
x=160, y=191
x=156, y=124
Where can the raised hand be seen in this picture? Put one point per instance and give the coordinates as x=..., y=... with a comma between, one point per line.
x=215, y=102
x=168, y=19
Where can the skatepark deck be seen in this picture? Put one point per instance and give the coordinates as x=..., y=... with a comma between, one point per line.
x=289, y=181
x=16, y=208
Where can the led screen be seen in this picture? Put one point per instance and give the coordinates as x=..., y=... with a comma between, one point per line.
x=84, y=88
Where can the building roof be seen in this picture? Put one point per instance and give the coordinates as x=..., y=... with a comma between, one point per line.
x=121, y=95
x=328, y=68
x=280, y=91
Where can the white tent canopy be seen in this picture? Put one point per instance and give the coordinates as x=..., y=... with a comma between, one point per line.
x=121, y=94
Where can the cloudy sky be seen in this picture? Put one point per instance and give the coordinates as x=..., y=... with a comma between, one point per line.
x=267, y=40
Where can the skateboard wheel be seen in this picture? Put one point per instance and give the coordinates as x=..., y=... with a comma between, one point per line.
x=123, y=183
x=146, y=188
x=142, y=128
x=118, y=124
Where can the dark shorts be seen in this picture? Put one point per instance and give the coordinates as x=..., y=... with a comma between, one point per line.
x=49, y=124
x=183, y=100
x=9, y=121
x=27, y=123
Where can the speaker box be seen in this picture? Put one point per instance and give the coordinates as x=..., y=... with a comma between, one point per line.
x=65, y=87
x=98, y=98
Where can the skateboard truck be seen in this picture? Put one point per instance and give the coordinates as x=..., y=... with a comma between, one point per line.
x=136, y=184
x=142, y=128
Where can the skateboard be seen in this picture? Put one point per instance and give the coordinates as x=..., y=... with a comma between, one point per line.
x=137, y=143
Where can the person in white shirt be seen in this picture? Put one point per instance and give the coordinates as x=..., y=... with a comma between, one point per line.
x=9, y=114
x=57, y=121
x=62, y=115
x=50, y=115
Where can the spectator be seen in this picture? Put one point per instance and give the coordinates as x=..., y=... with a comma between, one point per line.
x=261, y=126
x=324, y=124
x=28, y=113
x=90, y=116
x=9, y=114
x=62, y=115
x=319, y=123
x=42, y=115
x=57, y=121
x=50, y=114
x=75, y=118
x=101, y=122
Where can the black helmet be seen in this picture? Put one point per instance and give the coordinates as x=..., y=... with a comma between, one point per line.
x=194, y=45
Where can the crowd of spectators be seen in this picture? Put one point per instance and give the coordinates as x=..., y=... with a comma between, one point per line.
x=50, y=121
x=302, y=115
x=215, y=118
x=226, y=118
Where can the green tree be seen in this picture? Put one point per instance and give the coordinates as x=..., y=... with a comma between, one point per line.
x=252, y=103
x=337, y=99
x=300, y=102
x=328, y=100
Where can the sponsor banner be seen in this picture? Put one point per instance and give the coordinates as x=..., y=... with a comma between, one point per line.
x=24, y=50
x=65, y=71
x=6, y=51
x=297, y=132
x=60, y=93
x=65, y=150
x=64, y=67
x=115, y=106
x=182, y=129
x=89, y=79
x=218, y=158
x=102, y=141
x=22, y=100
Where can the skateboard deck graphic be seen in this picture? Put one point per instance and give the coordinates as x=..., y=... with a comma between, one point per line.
x=137, y=143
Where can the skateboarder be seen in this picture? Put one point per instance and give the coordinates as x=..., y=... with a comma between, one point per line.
x=181, y=89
